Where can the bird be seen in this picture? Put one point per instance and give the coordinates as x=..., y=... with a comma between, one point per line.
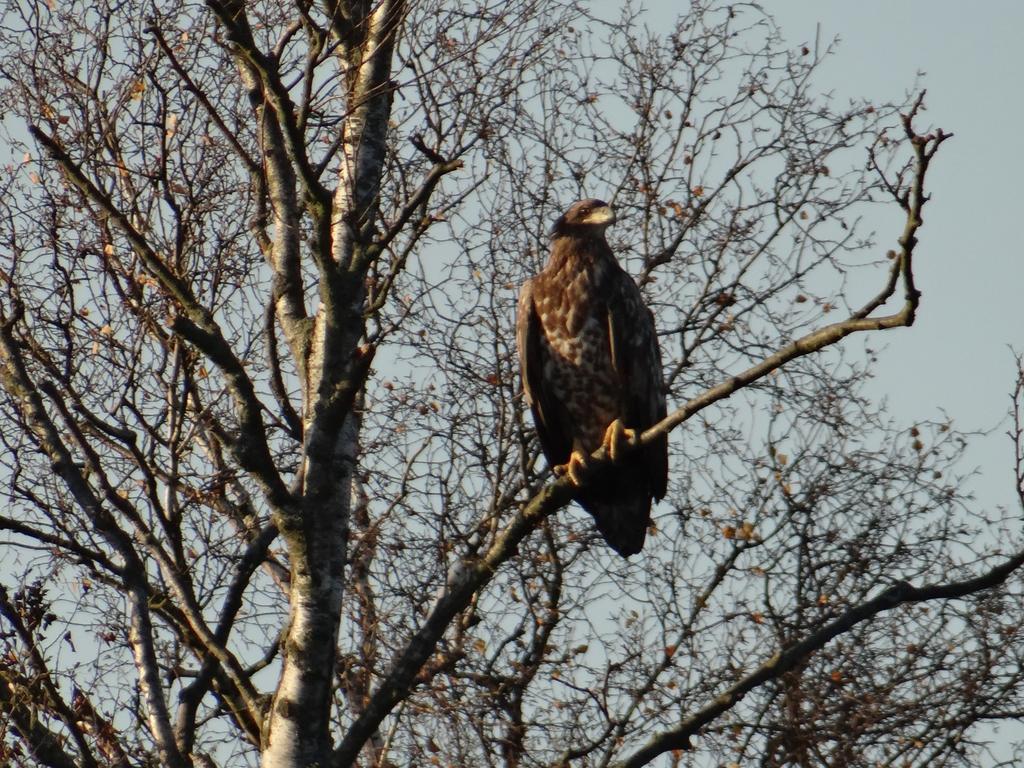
x=591, y=371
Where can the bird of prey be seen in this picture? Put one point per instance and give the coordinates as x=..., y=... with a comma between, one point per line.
x=591, y=371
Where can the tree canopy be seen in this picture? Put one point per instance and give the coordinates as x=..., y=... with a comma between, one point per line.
x=272, y=493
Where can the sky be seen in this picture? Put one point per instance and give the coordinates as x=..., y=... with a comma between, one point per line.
x=957, y=360
x=958, y=356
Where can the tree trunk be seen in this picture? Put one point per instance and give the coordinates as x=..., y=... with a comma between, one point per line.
x=297, y=727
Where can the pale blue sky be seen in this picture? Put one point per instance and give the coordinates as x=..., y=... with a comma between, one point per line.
x=969, y=264
x=969, y=261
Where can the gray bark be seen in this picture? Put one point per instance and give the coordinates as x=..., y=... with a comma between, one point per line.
x=334, y=369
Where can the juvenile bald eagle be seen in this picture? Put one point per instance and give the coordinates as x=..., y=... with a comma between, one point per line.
x=591, y=372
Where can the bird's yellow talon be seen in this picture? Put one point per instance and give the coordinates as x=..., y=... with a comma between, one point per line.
x=615, y=437
x=577, y=463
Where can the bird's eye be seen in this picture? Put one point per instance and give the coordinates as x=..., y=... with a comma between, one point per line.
x=584, y=211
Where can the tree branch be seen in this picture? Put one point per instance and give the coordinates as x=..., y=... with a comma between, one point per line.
x=43, y=677
x=190, y=85
x=231, y=14
x=468, y=577
x=43, y=744
x=440, y=168
x=924, y=147
x=465, y=579
x=197, y=326
x=787, y=659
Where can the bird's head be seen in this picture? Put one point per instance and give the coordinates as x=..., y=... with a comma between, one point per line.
x=589, y=217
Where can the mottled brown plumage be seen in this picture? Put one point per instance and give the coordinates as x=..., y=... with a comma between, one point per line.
x=589, y=357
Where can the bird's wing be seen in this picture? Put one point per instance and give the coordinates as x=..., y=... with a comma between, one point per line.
x=549, y=414
x=636, y=357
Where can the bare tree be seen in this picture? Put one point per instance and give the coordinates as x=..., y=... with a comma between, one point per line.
x=271, y=497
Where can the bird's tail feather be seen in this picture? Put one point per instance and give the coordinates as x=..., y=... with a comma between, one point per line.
x=621, y=506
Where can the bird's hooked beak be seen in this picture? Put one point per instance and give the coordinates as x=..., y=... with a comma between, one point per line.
x=602, y=216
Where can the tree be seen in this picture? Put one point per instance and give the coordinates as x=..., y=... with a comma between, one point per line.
x=271, y=496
